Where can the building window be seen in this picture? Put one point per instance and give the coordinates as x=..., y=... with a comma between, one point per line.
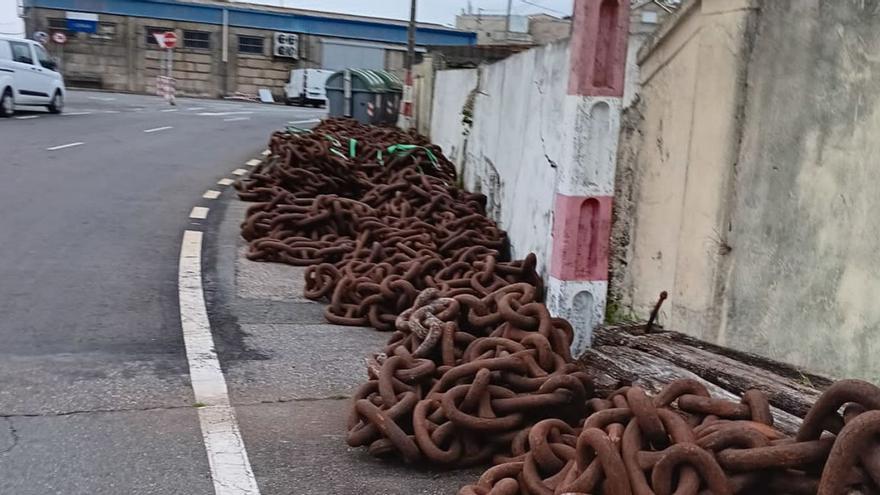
x=151, y=30
x=250, y=44
x=106, y=31
x=197, y=39
x=56, y=25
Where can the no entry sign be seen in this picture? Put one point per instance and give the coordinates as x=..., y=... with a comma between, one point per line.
x=166, y=40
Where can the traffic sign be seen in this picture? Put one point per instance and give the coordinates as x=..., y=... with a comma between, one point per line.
x=166, y=40
x=41, y=37
x=59, y=38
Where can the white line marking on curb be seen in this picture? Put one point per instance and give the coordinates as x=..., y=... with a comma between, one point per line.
x=228, y=459
x=68, y=145
x=310, y=121
x=236, y=119
x=159, y=129
x=225, y=182
x=252, y=163
x=169, y=110
x=77, y=113
x=266, y=153
x=239, y=171
x=102, y=98
x=199, y=213
x=211, y=194
x=27, y=117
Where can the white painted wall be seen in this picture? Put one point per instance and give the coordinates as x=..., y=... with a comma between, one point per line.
x=516, y=139
x=451, y=91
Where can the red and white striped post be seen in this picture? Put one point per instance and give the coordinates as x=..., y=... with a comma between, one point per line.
x=578, y=283
x=405, y=118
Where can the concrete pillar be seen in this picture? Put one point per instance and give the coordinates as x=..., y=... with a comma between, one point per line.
x=585, y=177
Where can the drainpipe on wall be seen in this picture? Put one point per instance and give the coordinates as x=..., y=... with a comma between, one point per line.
x=578, y=282
x=224, y=57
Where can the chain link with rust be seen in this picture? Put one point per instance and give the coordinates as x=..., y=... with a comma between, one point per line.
x=373, y=227
x=463, y=376
x=684, y=441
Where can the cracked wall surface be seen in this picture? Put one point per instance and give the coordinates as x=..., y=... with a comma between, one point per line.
x=510, y=151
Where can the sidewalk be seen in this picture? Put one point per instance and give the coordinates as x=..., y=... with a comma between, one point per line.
x=291, y=376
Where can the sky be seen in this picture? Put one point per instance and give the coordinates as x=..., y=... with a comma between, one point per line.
x=9, y=21
x=438, y=11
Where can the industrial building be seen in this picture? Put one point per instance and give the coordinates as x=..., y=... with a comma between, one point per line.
x=223, y=47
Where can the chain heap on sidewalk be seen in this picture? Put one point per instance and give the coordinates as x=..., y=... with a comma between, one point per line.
x=477, y=371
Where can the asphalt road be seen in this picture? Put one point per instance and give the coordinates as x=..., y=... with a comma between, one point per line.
x=95, y=396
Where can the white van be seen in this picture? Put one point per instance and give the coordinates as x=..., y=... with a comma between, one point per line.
x=28, y=76
x=306, y=87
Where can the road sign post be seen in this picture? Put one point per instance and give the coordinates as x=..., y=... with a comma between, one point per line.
x=60, y=39
x=165, y=83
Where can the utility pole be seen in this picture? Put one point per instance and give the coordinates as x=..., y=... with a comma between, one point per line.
x=507, y=21
x=405, y=119
x=411, y=38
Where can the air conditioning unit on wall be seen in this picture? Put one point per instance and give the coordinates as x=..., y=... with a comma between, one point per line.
x=286, y=45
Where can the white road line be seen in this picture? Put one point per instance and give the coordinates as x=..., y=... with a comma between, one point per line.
x=199, y=213
x=310, y=121
x=157, y=129
x=195, y=109
x=230, y=467
x=236, y=119
x=27, y=117
x=239, y=171
x=68, y=145
x=225, y=182
x=211, y=194
x=266, y=153
x=102, y=98
x=222, y=114
x=110, y=111
x=169, y=110
x=253, y=163
x=77, y=113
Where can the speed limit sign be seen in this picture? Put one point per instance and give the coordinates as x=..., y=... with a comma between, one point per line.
x=59, y=38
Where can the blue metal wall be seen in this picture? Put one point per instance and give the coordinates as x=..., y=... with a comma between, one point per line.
x=252, y=18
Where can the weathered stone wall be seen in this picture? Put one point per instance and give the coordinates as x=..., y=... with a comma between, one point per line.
x=745, y=181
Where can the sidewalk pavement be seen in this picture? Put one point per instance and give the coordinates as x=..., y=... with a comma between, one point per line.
x=291, y=376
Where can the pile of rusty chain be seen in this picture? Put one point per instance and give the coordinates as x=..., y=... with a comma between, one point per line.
x=375, y=215
x=464, y=378
x=683, y=441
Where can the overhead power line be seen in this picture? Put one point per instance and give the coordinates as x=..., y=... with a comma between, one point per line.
x=533, y=4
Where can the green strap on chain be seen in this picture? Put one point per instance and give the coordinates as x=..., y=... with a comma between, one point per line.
x=409, y=147
x=339, y=153
x=352, y=147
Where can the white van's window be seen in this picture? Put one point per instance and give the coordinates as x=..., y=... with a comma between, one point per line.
x=21, y=52
x=43, y=57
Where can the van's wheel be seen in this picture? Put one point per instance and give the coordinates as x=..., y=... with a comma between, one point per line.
x=57, y=103
x=7, y=103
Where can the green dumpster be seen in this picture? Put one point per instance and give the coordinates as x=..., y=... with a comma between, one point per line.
x=393, y=95
x=357, y=93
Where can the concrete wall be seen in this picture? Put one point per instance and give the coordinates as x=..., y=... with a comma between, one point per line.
x=805, y=228
x=745, y=181
x=510, y=151
x=454, y=98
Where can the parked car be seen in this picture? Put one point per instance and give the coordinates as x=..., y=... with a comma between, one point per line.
x=306, y=87
x=28, y=76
